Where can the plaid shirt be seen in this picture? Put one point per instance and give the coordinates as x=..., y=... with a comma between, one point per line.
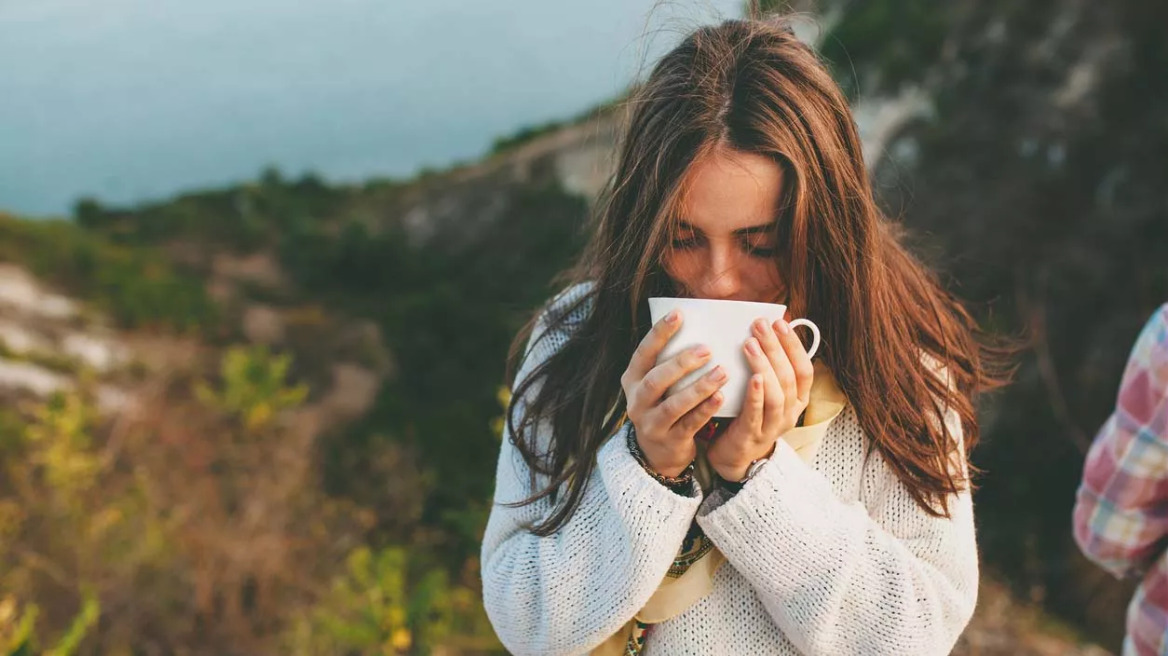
x=1121, y=510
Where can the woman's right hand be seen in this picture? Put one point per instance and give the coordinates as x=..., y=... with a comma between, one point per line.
x=665, y=429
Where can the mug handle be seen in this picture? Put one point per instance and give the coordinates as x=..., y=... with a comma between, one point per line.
x=814, y=332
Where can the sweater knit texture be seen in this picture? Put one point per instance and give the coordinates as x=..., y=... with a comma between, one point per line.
x=829, y=558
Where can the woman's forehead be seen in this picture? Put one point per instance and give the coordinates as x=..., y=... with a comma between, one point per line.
x=730, y=191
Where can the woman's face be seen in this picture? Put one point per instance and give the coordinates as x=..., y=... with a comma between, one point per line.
x=725, y=246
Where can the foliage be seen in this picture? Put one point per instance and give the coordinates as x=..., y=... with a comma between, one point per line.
x=524, y=135
x=18, y=628
x=242, y=217
x=1051, y=207
x=886, y=42
x=53, y=528
x=259, y=534
x=380, y=606
x=503, y=394
x=765, y=7
x=530, y=133
x=450, y=320
x=60, y=446
x=875, y=46
x=137, y=287
x=448, y=308
x=253, y=386
x=244, y=448
x=210, y=509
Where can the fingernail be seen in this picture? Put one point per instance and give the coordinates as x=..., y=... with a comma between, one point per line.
x=760, y=325
x=782, y=326
x=752, y=346
x=672, y=316
x=702, y=351
x=717, y=374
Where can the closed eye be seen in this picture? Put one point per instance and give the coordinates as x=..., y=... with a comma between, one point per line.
x=753, y=251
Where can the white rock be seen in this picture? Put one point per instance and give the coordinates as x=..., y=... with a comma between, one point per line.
x=18, y=288
x=96, y=352
x=19, y=339
x=32, y=378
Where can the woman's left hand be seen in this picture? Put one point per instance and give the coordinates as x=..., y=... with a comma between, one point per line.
x=776, y=395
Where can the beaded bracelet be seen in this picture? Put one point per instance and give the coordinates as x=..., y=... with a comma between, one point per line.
x=682, y=480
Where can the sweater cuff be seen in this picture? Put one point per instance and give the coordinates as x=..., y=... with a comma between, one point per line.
x=787, y=505
x=722, y=492
x=636, y=495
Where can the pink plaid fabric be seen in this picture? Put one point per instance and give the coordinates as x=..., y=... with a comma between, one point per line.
x=1121, y=509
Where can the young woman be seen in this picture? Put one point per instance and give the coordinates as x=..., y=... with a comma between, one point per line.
x=833, y=515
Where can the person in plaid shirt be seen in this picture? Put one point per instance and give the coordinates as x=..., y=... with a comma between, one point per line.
x=1121, y=509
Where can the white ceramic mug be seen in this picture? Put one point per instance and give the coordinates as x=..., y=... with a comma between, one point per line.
x=723, y=326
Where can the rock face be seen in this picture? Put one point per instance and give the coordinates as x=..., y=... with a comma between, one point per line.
x=46, y=339
x=1039, y=181
x=19, y=291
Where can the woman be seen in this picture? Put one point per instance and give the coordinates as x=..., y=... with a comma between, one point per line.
x=833, y=516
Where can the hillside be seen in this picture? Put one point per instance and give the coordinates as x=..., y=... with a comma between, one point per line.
x=274, y=374
x=262, y=406
x=372, y=327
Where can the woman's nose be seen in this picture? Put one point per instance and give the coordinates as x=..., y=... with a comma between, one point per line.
x=721, y=279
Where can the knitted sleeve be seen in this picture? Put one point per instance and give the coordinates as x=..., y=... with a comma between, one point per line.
x=568, y=592
x=879, y=575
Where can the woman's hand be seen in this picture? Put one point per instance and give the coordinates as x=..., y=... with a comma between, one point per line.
x=665, y=429
x=776, y=395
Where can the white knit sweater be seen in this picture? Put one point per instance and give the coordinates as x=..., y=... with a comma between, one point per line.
x=834, y=558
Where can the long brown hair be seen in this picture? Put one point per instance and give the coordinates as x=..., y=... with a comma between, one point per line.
x=751, y=85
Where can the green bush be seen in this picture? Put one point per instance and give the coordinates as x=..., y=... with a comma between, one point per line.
x=385, y=604
x=137, y=286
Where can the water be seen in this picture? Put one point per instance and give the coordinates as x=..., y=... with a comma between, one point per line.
x=127, y=100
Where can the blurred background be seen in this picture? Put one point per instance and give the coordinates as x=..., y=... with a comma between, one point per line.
x=260, y=264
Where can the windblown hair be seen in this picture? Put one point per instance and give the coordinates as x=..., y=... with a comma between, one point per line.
x=888, y=325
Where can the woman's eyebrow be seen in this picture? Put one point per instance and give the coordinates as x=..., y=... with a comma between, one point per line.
x=750, y=230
